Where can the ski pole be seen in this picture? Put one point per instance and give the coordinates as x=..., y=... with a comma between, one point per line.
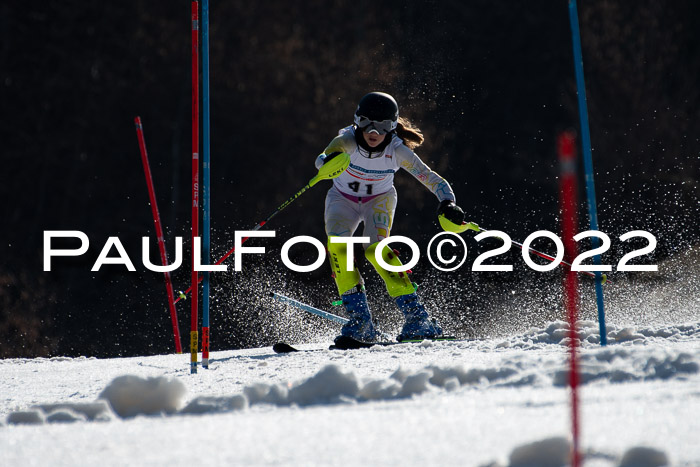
x=329, y=170
x=309, y=308
x=476, y=228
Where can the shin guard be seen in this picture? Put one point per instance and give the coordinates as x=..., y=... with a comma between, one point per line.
x=344, y=279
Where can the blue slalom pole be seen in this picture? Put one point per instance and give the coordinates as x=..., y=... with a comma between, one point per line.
x=587, y=161
x=206, y=179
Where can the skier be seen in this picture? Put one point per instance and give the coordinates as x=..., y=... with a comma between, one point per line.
x=379, y=144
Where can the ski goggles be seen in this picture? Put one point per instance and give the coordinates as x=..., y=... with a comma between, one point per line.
x=367, y=125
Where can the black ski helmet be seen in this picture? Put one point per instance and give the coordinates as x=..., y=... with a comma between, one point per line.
x=378, y=106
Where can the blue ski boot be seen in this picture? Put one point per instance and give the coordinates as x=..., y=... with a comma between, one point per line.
x=360, y=326
x=417, y=325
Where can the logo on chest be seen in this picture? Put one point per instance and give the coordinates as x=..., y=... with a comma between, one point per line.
x=365, y=173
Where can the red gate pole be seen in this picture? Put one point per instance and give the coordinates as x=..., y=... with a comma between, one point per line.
x=194, y=334
x=159, y=232
x=569, y=224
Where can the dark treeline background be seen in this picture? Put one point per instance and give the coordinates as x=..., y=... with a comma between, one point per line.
x=491, y=84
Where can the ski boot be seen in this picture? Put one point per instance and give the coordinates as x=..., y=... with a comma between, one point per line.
x=360, y=326
x=417, y=325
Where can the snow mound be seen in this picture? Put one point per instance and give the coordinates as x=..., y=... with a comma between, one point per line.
x=332, y=385
x=62, y=413
x=588, y=334
x=26, y=417
x=131, y=395
x=551, y=452
x=644, y=457
x=76, y=411
x=621, y=364
x=556, y=452
x=329, y=385
x=212, y=404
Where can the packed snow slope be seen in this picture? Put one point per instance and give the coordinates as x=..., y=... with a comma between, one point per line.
x=490, y=401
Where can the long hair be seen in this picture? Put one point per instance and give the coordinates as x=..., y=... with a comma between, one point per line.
x=411, y=135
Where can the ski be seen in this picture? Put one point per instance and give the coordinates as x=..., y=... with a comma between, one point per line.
x=281, y=347
x=284, y=348
x=348, y=343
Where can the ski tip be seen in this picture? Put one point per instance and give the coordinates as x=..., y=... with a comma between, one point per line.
x=281, y=347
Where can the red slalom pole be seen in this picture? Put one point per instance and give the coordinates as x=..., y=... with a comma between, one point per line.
x=159, y=232
x=568, y=199
x=194, y=334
